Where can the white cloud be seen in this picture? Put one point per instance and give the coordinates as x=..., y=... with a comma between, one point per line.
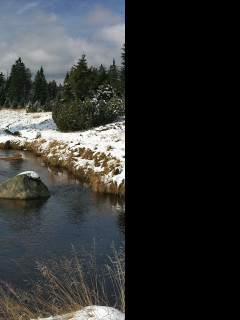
x=114, y=34
x=6, y=59
x=28, y=6
x=101, y=16
x=39, y=55
x=44, y=39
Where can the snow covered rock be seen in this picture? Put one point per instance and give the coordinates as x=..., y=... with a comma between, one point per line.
x=26, y=185
x=98, y=152
x=91, y=313
x=31, y=134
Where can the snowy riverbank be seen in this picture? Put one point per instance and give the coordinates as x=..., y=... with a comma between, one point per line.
x=97, y=155
x=91, y=313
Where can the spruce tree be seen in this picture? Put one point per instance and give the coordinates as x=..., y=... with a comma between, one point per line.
x=123, y=60
x=93, y=75
x=40, y=88
x=88, y=99
x=80, y=80
x=19, y=84
x=113, y=76
x=67, y=91
x=122, y=72
x=102, y=78
x=52, y=90
x=2, y=90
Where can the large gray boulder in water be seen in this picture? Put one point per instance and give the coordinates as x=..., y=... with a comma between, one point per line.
x=24, y=186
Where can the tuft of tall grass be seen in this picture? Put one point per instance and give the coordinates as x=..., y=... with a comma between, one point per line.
x=66, y=287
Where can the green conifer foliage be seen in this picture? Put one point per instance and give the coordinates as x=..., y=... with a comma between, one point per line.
x=94, y=86
x=40, y=88
x=113, y=76
x=80, y=80
x=122, y=73
x=67, y=92
x=52, y=90
x=19, y=84
x=93, y=74
x=90, y=97
x=2, y=90
x=102, y=78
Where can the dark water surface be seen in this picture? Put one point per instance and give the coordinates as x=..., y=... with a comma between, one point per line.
x=74, y=215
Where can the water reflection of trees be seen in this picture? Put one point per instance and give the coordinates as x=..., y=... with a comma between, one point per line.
x=112, y=199
x=21, y=214
x=121, y=222
x=117, y=205
x=16, y=164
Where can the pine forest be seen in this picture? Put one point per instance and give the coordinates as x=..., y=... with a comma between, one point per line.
x=88, y=97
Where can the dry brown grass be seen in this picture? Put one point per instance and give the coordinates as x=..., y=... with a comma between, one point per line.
x=94, y=179
x=65, y=288
x=86, y=154
x=13, y=110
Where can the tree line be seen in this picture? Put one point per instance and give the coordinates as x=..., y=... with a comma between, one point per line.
x=19, y=91
x=90, y=96
x=82, y=82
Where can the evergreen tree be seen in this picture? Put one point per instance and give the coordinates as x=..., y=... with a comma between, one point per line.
x=80, y=80
x=88, y=98
x=122, y=73
x=67, y=91
x=123, y=60
x=59, y=91
x=19, y=84
x=113, y=76
x=40, y=87
x=102, y=77
x=93, y=75
x=2, y=90
x=52, y=90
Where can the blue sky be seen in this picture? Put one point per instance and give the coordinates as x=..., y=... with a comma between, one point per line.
x=55, y=33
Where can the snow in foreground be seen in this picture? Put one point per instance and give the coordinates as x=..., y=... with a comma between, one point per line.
x=91, y=313
x=38, y=129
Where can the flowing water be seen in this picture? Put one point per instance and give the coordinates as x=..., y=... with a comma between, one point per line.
x=38, y=229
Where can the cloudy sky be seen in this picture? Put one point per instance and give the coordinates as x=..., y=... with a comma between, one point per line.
x=55, y=33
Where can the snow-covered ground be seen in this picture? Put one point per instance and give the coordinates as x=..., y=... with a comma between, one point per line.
x=91, y=313
x=92, y=149
x=100, y=150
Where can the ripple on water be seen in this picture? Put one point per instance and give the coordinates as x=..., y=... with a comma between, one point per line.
x=74, y=215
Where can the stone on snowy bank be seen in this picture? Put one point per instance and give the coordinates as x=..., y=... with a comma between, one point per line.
x=25, y=186
x=31, y=134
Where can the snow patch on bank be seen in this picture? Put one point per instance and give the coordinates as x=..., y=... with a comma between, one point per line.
x=91, y=313
x=20, y=127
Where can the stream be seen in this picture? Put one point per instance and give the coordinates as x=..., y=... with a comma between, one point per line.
x=74, y=215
